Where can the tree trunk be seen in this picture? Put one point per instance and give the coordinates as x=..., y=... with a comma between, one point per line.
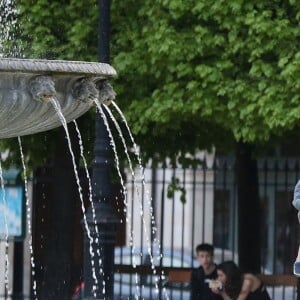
x=249, y=211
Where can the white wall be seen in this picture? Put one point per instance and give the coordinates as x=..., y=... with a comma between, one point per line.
x=178, y=217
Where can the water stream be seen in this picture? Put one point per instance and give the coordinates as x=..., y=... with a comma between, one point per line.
x=156, y=241
x=136, y=187
x=138, y=156
x=6, y=270
x=90, y=197
x=29, y=221
x=149, y=248
x=8, y=28
x=124, y=190
x=57, y=108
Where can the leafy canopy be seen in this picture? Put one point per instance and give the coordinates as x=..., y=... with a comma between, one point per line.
x=202, y=69
x=192, y=74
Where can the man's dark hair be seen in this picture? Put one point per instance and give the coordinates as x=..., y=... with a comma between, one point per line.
x=205, y=247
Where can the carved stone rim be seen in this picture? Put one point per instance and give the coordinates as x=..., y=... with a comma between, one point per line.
x=56, y=66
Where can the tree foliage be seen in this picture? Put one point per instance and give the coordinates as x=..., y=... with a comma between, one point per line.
x=57, y=30
x=191, y=74
x=208, y=68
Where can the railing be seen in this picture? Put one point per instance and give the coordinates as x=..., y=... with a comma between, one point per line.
x=191, y=206
x=178, y=279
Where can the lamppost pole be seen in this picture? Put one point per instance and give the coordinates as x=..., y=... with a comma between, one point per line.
x=104, y=30
x=106, y=220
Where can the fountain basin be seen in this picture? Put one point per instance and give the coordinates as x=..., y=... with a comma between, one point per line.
x=26, y=86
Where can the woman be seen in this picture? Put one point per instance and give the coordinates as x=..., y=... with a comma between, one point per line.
x=232, y=284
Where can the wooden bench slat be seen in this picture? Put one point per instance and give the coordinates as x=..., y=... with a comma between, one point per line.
x=268, y=280
x=182, y=275
x=278, y=280
x=179, y=276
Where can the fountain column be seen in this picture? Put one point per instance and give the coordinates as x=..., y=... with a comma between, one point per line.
x=106, y=219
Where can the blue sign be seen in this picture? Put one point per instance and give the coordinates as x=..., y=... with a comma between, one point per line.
x=11, y=212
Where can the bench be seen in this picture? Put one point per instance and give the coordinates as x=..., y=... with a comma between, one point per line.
x=279, y=286
x=184, y=275
x=181, y=275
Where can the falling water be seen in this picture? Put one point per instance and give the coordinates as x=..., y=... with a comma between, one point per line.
x=6, y=275
x=122, y=184
x=138, y=193
x=133, y=175
x=136, y=151
x=29, y=222
x=148, y=198
x=124, y=189
x=90, y=196
x=57, y=108
x=8, y=29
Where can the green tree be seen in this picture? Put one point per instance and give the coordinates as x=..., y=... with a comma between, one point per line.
x=207, y=68
x=192, y=74
x=212, y=73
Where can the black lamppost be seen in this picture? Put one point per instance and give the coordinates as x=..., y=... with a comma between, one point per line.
x=106, y=219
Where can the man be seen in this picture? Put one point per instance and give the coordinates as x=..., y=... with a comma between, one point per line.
x=201, y=276
x=296, y=203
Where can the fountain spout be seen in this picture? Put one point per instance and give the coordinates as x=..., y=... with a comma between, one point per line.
x=85, y=90
x=42, y=88
x=106, y=92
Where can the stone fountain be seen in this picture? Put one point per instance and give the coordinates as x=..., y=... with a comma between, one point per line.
x=26, y=87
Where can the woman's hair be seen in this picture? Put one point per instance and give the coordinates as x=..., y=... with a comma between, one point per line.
x=234, y=278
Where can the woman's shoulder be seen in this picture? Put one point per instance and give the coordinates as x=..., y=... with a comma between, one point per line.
x=251, y=281
x=249, y=276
